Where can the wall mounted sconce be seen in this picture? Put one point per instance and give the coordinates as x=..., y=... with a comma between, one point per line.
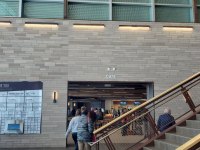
x=55, y=97
x=89, y=26
x=134, y=27
x=178, y=28
x=41, y=24
x=68, y=103
x=74, y=105
x=5, y=23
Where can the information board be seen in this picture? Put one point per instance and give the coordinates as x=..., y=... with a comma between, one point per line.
x=21, y=101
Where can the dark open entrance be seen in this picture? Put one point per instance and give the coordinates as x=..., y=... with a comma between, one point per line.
x=106, y=95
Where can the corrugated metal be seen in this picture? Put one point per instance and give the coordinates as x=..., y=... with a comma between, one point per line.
x=43, y=10
x=131, y=13
x=88, y=11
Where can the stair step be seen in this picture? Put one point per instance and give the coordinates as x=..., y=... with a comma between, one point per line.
x=149, y=148
x=188, y=132
x=193, y=124
x=182, y=135
x=176, y=138
x=198, y=116
x=163, y=144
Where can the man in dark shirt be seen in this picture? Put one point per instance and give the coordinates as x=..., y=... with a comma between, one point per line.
x=165, y=120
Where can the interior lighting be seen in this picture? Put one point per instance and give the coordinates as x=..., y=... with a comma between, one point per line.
x=41, y=25
x=134, y=27
x=89, y=26
x=5, y=23
x=178, y=28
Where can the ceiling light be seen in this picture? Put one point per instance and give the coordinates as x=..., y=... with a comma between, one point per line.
x=41, y=24
x=5, y=23
x=178, y=28
x=89, y=26
x=134, y=27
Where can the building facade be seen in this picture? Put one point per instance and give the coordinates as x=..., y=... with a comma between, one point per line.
x=56, y=51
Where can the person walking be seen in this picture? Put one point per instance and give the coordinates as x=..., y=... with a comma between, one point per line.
x=73, y=127
x=85, y=130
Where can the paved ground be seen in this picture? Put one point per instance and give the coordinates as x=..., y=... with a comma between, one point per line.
x=70, y=147
x=36, y=148
x=120, y=142
x=47, y=148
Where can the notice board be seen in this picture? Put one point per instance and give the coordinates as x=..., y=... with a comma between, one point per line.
x=21, y=101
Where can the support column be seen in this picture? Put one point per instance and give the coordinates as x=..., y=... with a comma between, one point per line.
x=195, y=11
x=65, y=9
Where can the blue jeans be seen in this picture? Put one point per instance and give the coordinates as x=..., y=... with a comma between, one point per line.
x=74, y=136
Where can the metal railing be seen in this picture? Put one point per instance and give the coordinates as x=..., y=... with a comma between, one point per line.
x=137, y=126
x=194, y=143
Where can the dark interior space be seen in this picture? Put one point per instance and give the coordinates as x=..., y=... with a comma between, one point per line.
x=94, y=94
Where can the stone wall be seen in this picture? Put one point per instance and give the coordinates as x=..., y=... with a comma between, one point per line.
x=58, y=55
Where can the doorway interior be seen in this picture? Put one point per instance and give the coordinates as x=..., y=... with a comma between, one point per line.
x=106, y=95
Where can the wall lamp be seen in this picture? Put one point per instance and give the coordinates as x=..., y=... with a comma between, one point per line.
x=178, y=28
x=55, y=97
x=5, y=23
x=41, y=24
x=134, y=27
x=89, y=26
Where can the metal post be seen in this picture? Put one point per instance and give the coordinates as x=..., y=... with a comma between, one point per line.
x=97, y=146
x=113, y=148
x=152, y=123
x=20, y=9
x=195, y=11
x=188, y=99
x=109, y=143
x=65, y=9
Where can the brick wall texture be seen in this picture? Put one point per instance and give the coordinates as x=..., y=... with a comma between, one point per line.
x=58, y=55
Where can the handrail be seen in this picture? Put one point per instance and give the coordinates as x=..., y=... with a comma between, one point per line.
x=189, y=144
x=142, y=115
x=148, y=102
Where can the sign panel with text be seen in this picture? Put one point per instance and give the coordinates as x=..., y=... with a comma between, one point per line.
x=21, y=101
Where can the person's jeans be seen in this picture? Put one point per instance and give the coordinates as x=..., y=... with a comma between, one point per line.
x=74, y=136
x=83, y=145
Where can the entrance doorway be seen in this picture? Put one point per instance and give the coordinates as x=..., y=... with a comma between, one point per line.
x=106, y=96
x=111, y=98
